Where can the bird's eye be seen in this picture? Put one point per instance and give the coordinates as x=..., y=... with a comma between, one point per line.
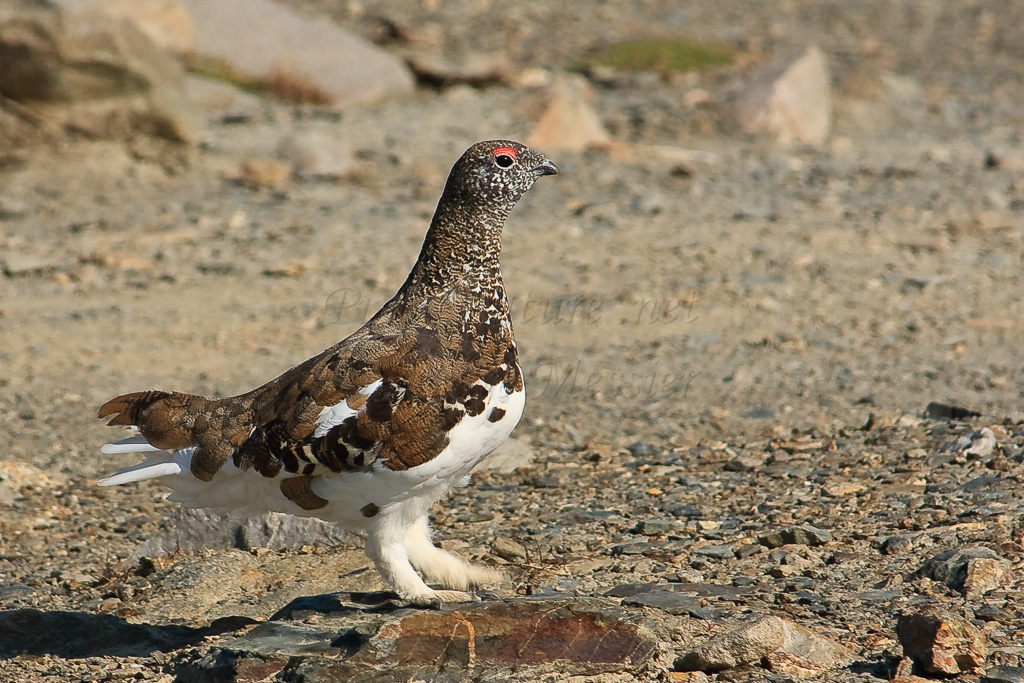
x=504, y=156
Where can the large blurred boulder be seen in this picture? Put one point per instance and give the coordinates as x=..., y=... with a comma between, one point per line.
x=165, y=22
x=80, y=68
x=268, y=42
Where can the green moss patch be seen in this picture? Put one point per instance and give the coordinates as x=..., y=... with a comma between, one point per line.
x=677, y=54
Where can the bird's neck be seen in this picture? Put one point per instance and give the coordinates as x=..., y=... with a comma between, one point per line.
x=461, y=249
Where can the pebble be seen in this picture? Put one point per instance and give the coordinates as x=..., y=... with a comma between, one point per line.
x=507, y=549
x=720, y=552
x=658, y=527
x=798, y=535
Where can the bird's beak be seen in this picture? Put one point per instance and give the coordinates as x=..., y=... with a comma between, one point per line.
x=547, y=168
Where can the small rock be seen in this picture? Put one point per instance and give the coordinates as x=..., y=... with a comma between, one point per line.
x=993, y=613
x=984, y=574
x=315, y=155
x=688, y=677
x=194, y=530
x=507, y=549
x=940, y=642
x=11, y=208
x=798, y=535
x=842, y=489
x=805, y=653
x=568, y=122
x=640, y=449
x=744, y=463
x=18, y=264
x=972, y=571
x=1004, y=674
x=720, y=552
x=510, y=456
x=992, y=220
x=788, y=99
x=747, y=644
x=945, y=411
x=667, y=601
x=260, y=173
x=657, y=527
x=982, y=443
x=478, y=70
x=894, y=545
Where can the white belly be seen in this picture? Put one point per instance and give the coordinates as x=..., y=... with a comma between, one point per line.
x=469, y=442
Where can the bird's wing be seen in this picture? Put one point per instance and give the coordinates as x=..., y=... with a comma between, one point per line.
x=378, y=398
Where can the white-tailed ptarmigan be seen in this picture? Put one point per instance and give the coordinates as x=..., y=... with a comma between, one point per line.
x=374, y=430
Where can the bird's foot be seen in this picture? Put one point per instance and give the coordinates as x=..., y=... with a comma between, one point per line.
x=434, y=599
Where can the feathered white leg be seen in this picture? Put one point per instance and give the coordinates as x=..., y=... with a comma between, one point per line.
x=440, y=566
x=386, y=533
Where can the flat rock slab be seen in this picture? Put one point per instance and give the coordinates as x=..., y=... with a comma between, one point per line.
x=527, y=637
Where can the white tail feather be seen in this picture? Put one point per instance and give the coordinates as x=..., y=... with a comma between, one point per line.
x=144, y=470
x=133, y=444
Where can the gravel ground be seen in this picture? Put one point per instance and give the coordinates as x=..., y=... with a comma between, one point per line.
x=714, y=353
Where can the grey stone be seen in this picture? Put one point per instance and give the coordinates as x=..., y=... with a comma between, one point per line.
x=720, y=552
x=193, y=530
x=702, y=589
x=652, y=549
x=508, y=549
x=876, y=596
x=894, y=545
x=1004, y=674
x=972, y=571
x=443, y=70
x=640, y=449
x=667, y=601
x=658, y=527
x=798, y=535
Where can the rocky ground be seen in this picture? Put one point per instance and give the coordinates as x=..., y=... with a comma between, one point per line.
x=730, y=348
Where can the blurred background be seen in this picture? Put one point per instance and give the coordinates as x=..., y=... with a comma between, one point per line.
x=802, y=212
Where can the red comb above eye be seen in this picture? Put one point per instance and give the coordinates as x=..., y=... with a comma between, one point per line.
x=505, y=150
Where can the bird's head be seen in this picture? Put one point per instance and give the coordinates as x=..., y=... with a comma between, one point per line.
x=497, y=173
